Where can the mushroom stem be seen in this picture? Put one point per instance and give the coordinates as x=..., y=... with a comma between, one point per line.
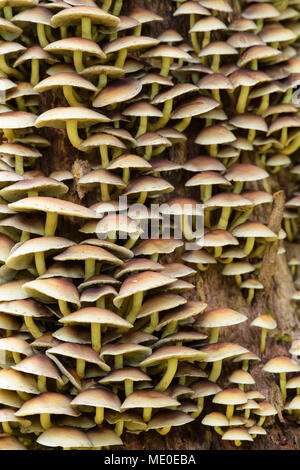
x=16, y=356
x=183, y=124
x=122, y=55
x=119, y=428
x=142, y=197
x=106, y=5
x=206, y=39
x=223, y=221
x=170, y=328
x=142, y=127
x=6, y=428
x=186, y=228
x=168, y=376
x=8, y=12
x=250, y=297
x=45, y=420
x=51, y=224
x=249, y=245
x=33, y=329
x=164, y=431
x=42, y=383
x=72, y=131
x=90, y=265
x=77, y=59
x=282, y=381
x=40, y=263
x=86, y=28
x=214, y=335
x=218, y=430
x=200, y=403
x=118, y=363
x=80, y=368
x=25, y=396
x=9, y=70
x=242, y=99
x=147, y=413
x=40, y=29
x=292, y=147
x=263, y=338
x=99, y=415
x=69, y=95
x=154, y=319
x=128, y=385
x=9, y=133
x=238, y=187
x=229, y=411
x=19, y=168
x=215, y=371
x=96, y=336
x=136, y=306
x=63, y=307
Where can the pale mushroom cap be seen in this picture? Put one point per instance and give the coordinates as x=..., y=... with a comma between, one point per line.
x=96, y=315
x=253, y=229
x=57, y=117
x=205, y=388
x=195, y=107
x=98, y=397
x=39, y=364
x=24, y=307
x=119, y=375
x=75, y=44
x=131, y=43
x=157, y=245
x=217, y=237
x=55, y=288
x=118, y=91
x=48, y=402
x=64, y=436
x=159, y=303
x=227, y=200
x=169, y=418
x=215, y=419
x=15, y=344
x=232, y=396
x=173, y=352
x=104, y=437
x=219, y=351
x=190, y=309
x=38, y=14
x=17, y=120
x=237, y=434
x=64, y=78
x=220, y=317
x=281, y=364
x=78, y=351
x=294, y=404
x=85, y=252
x=148, y=398
x=70, y=16
x=265, y=409
x=10, y=443
x=265, y=321
x=11, y=379
x=210, y=23
x=241, y=377
x=237, y=268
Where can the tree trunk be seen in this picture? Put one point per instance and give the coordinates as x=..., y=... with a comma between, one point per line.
x=210, y=286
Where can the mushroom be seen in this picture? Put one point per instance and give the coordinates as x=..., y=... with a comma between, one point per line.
x=265, y=322
x=281, y=365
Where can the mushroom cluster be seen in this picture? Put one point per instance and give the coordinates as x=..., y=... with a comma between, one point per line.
x=103, y=333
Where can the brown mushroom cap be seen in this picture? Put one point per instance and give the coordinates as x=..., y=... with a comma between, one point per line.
x=65, y=436
x=148, y=398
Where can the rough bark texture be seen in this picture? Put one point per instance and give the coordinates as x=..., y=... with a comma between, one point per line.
x=213, y=288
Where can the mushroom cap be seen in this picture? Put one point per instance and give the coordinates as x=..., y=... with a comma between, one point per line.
x=126, y=373
x=241, y=377
x=85, y=252
x=11, y=379
x=10, y=443
x=219, y=351
x=173, y=352
x=219, y=317
x=204, y=388
x=15, y=344
x=39, y=364
x=160, y=303
x=78, y=351
x=58, y=288
x=131, y=43
x=209, y=23
x=64, y=436
x=190, y=309
x=253, y=229
x=94, y=315
x=104, y=437
x=215, y=419
x=265, y=409
x=98, y=397
x=117, y=91
x=237, y=434
x=141, y=282
x=157, y=245
x=51, y=204
x=17, y=120
x=62, y=46
x=231, y=396
x=72, y=16
x=148, y=398
x=194, y=107
x=281, y=364
x=13, y=290
x=48, y=402
x=43, y=185
x=265, y=321
x=169, y=418
x=25, y=307
x=62, y=79
x=57, y=117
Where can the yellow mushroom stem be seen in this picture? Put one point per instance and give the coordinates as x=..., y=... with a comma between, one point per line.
x=40, y=263
x=147, y=414
x=242, y=99
x=89, y=268
x=45, y=420
x=237, y=443
x=9, y=133
x=201, y=267
x=229, y=411
x=282, y=382
x=6, y=428
x=224, y=218
x=240, y=218
x=218, y=251
x=206, y=39
x=186, y=228
x=118, y=361
x=249, y=245
x=142, y=126
x=72, y=132
x=106, y=5
x=288, y=229
x=119, y=427
x=42, y=383
x=292, y=147
x=40, y=29
x=63, y=306
x=96, y=336
x=263, y=338
x=264, y=104
x=200, y=404
x=214, y=335
x=80, y=368
x=261, y=420
x=23, y=395
x=8, y=12
x=135, y=307
x=128, y=386
x=99, y=415
x=164, y=431
x=251, y=135
x=24, y=236
x=142, y=197
x=250, y=296
x=205, y=192
x=77, y=59
x=9, y=70
x=163, y=120
x=117, y=7
x=16, y=356
x=69, y=95
x=33, y=329
x=120, y=61
x=183, y=124
x=86, y=28
x=215, y=371
x=51, y=224
x=154, y=320
x=131, y=241
x=238, y=187
x=218, y=430
x=238, y=279
x=154, y=257
x=170, y=328
x=19, y=168
x=168, y=375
